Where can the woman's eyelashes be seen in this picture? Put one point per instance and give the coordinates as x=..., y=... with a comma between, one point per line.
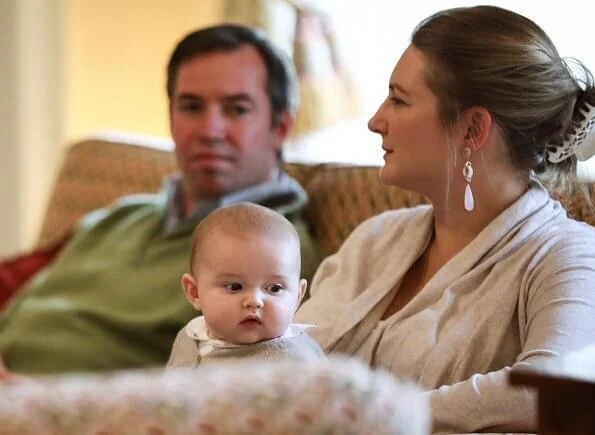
x=397, y=101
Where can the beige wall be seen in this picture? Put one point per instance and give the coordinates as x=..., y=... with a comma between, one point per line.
x=31, y=114
x=9, y=158
x=117, y=52
x=71, y=68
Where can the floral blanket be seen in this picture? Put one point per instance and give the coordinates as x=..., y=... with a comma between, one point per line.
x=337, y=396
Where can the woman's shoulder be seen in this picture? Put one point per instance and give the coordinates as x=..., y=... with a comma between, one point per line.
x=565, y=231
x=572, y=235
x=565, y=246
x=388, y=231
x=392, y=219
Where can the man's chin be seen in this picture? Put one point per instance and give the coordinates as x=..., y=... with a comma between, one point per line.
x=211, y=186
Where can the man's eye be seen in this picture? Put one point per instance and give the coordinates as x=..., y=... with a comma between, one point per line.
x=275, y=288
x=234, y=286
x=236, y=110
x=189, y=107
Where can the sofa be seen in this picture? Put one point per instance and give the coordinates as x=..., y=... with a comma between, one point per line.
x=339, y=396
x=335, y=397
x=96, y=171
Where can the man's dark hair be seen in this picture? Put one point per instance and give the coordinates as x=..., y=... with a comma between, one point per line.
x=281, y=77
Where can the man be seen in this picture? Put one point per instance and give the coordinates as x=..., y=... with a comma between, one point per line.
x=112, y=299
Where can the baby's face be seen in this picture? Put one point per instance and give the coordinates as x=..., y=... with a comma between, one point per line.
x=248, y=286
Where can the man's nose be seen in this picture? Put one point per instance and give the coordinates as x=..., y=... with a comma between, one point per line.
x=212, y=124
x=253, y=299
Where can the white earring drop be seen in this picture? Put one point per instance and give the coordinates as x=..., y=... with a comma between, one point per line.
x=468, y=174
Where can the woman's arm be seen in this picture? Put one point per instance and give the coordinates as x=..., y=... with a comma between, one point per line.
x=556, y=316
x=482, y=402
x=520, y=426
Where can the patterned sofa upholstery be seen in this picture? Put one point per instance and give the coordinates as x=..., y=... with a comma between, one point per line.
x=95, y=172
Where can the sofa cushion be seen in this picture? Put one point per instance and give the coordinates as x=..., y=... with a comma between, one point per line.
x=341, y=197
x=578, y=203
x=94, y=173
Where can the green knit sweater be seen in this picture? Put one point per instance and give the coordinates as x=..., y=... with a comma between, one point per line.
x=113, y=298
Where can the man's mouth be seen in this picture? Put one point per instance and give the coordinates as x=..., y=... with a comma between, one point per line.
x=212, y=161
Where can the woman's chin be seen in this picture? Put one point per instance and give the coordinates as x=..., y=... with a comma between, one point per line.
x=389, y=176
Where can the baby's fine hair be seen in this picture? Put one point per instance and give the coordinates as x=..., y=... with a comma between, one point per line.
x=241, y=219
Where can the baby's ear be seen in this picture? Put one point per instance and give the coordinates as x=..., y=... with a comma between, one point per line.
x=190, y=290
x=302, y=289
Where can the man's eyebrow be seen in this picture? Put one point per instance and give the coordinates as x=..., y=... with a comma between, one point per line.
x=239, y=98
x=188, y=96
x=396, y=87
x=231, y=98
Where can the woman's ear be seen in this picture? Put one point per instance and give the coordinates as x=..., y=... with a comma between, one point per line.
x=477, y=125
x=191, y=290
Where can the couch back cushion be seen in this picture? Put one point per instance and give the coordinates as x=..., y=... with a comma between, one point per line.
x=341, y=197
x=95, y=172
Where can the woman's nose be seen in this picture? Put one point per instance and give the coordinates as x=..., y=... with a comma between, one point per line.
x=376, y=124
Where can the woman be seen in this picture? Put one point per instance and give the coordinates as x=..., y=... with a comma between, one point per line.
x=492, y=274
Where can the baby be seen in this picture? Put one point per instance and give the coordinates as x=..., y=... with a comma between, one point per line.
x=245, y=279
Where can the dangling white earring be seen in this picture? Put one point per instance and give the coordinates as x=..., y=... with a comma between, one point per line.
x=468, y=174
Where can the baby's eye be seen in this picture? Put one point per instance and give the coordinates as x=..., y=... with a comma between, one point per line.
x=275, y=288
x=234, y=286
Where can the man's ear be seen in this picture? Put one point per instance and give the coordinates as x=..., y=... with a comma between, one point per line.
x=302, y=290
x=170, y=109
x=282, y=129
x=190, y=290
x=477, y=126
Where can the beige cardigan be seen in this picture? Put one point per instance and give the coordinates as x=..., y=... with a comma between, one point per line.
x=523, y=290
